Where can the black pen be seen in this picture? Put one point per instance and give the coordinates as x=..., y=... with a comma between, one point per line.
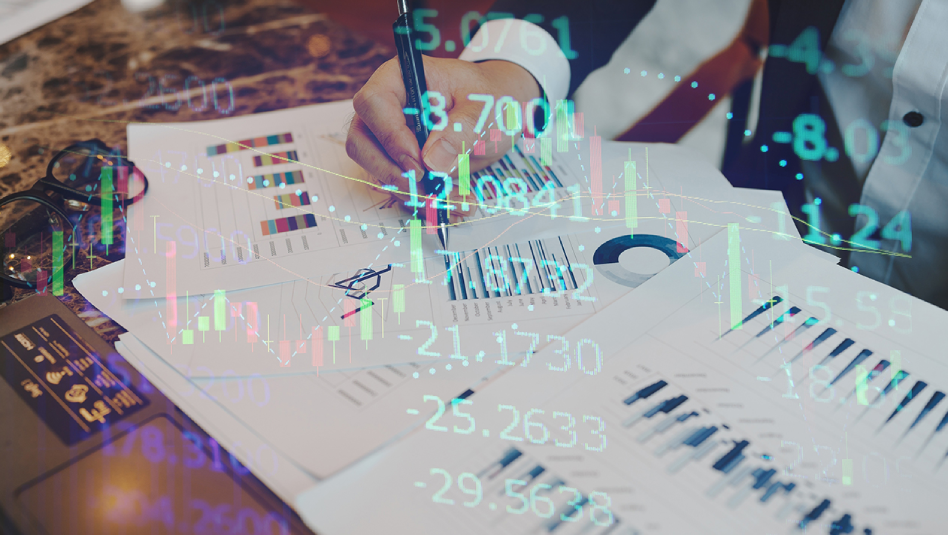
x=413, y=74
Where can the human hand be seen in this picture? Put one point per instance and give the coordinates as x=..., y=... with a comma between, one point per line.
x=380, y=141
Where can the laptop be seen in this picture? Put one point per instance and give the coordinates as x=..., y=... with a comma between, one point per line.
x=89, y=446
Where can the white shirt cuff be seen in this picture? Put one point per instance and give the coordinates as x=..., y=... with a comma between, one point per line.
x=527, y=45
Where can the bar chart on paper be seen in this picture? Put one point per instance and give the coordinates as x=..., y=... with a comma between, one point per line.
x=515, y=167
x=274, y=180
x=275, y=158
x=265, y=201
x=251, y=143
x=835, y=366
x=534, y=267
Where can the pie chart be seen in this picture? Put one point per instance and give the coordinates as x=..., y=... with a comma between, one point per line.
x=606, y=257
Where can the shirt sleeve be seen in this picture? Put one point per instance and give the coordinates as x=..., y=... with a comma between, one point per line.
x=587, y=33
x=524, y=44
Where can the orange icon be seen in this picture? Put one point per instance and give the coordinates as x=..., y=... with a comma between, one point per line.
x=77, y=394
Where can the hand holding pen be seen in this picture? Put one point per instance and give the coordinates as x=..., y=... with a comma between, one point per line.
x=381, y=141
x=416, y=95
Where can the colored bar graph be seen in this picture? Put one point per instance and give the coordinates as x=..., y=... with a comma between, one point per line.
x=732, y=457
x=786, y=487
x=398, y=299
x=645, y=392
x=275, y=180
x=935, y=400
x=365, y=323
x=187, y=335
x=895, y=357
x=734, y=273
x=287, y=224
x=275, y=158
x=564, y=109
x=290, y=200
x=264, y=141
x=578, y=126
x=317, y=347
x=779, y=321
x=631, y=199
x=236, y=311
x=431, y=215
x=252, y=322
x=506, y=277
x=106, y=191
x=57, y=262
x=913, y=393
x=171, y=282
x=862, y=378
x=897, y=378
x=595, y=173
x=819, y=340
x=613, y=205
x=464, y=174
x=843, y=346
x=332, y=334
x=220, y=307
x=681, y=231
x=41, y=281
x=546, y=150
x=414, y=234
x=863, y=355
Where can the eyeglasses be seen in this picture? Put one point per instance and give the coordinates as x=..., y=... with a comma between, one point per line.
x=37, y=226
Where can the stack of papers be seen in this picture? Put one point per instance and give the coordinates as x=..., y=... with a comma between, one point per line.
x=612, y=335
x=23, y=16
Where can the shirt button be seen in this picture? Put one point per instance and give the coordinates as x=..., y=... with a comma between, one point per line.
x=913, y=119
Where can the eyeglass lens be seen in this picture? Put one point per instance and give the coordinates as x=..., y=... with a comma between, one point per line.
x=84, y=168
x=35, y=240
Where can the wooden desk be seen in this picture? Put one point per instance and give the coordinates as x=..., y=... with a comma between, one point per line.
x=90, y=73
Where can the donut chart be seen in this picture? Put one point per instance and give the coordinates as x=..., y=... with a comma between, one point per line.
x=606, y=257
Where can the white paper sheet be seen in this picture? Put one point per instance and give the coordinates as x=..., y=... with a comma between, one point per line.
x=585, y=436
x=304, y=426
x=287, y=328
x=217, y=206
x=22, y=16
x=273, y=197
x=212, y=410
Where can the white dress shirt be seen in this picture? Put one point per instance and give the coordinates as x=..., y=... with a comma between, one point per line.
x=907, y=43
x=910, y=172
x=527, y=45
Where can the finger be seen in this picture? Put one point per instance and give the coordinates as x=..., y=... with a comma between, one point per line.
x=365, y=150
x=380, y=105
x=443, y=146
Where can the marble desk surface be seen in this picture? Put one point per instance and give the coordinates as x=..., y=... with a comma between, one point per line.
x=90, y=73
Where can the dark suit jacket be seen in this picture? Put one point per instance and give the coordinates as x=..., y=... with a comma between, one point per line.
x=598, y=27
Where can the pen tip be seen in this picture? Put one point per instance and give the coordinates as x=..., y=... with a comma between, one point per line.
x=443, y=234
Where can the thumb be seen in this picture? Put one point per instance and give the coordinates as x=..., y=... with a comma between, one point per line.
x=440, y=152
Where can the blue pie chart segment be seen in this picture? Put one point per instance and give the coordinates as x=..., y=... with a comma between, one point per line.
x=606, y=257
